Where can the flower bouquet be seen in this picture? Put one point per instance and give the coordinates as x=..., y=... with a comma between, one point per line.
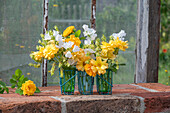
x=83, y=56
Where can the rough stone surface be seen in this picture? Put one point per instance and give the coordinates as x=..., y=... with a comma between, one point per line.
x=102, y=104
x=126, y=98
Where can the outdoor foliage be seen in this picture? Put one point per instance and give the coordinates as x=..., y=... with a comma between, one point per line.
x=164, y=56
x=18, y=80
x=3, y=88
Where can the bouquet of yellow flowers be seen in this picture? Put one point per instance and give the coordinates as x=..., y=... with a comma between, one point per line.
x=94, y=55
x=68, y=50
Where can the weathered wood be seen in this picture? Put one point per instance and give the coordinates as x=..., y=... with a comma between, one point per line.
x=147, y=43
x=45, y=27
x=93, y=14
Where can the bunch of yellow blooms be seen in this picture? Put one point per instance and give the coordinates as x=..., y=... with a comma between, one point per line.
x=28, y=88
x=94, y=56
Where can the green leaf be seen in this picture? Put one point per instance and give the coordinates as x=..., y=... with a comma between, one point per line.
x=18, y=72
x=122, y=64
x=15, y=77
x=17, y=90
x=19, y=84
x=2, y=91
x=3, y=84
x=81, y=45
x=12, y=81
x=21, y=78
x=7, y=90
x=82, y=38
x=77, y=34
x=21, y=92
x=113, y=69
x=13, y=86
x=25, y=79
x=37, y=90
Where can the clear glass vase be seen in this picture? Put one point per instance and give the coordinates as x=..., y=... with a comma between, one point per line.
x=67, y=81
x=85, y=83
x=104, y=83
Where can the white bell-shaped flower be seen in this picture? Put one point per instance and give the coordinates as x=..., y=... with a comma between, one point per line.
x=76, y=49
x=67, y=45
x=47, y=37
x=68, y=54
x=87, y=42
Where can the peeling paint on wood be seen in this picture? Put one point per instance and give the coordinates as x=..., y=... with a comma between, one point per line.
x=147, y=36
x=93, y=14
x=142, y=41
x=45, y=27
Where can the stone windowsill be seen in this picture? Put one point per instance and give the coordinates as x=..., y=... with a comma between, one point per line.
x=130, y=98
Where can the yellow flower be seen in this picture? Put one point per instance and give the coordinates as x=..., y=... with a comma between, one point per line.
x=55, y=5
x=107, y=54
x=81, y=63
x=107, y=46
x=50, y=51
x=117, y=43
x=76, y=41
x=28, y=88
x=39, y=54
x=100, y=65
x=117, y=65
x=78, y=55
x=166, y=71
x=22, y=46
x=28, y=73
x=90, y=70
x=68, y=31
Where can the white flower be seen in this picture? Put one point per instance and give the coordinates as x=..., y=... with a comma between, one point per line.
x=59, y=38
x=93, y=36
x=89, y=31
x=47, y=37
x=121, y=34
x=55, y=33
x=85, y=33
x=68, y=54
x=89, y=50
x=85, y=27
x=87, y=42
x=60, y=44
x=67, y=45
x=76, y=49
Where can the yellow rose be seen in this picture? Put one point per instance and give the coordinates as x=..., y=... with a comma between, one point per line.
x=68, y=31
x=28, y=88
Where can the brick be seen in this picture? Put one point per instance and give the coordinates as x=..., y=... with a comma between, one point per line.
x=125, y=98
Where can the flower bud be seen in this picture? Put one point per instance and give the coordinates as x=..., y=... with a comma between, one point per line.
x=42, y=36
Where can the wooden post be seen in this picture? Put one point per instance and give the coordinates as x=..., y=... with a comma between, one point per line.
x=45, y=27
x=147, y=43
x=93, y=14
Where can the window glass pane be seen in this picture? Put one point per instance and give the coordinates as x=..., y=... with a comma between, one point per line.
x=64, y=13
x=20, y=28
x=113, y=16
